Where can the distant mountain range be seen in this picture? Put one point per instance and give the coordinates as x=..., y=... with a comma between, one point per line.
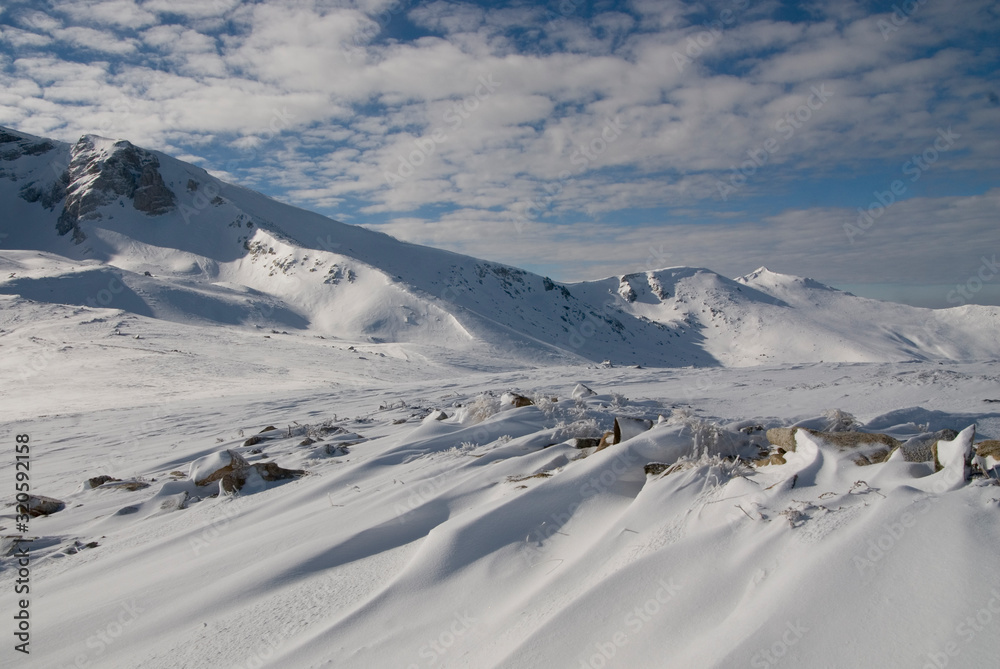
x=121, y=227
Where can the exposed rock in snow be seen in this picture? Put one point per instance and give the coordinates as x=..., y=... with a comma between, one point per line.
x=213, y=467
x=40, y=505
x=627, y=427
x=955, y=456
x=101, y=172
x=97, y=481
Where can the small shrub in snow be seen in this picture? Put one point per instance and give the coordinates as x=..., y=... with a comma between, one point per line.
x=708, y=437
x=320, y=431
x=839, y=421
x=483, y=407
x=719, y=470
x=580, y=429
x=579, y=410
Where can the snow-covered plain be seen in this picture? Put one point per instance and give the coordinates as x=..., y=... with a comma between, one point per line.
x=439, y=524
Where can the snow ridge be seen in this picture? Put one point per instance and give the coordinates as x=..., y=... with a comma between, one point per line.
x=190, y=248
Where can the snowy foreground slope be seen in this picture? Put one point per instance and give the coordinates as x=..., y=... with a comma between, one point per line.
x=487, y=539
x=428, y=520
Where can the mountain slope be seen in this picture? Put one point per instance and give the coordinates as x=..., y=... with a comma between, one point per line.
x=148, y=234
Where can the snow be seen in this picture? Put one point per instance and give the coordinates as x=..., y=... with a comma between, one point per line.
x=441, y=525
x=450, y=518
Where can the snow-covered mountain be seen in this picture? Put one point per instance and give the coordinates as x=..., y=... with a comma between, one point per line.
x=104, y=223
x=261, y=438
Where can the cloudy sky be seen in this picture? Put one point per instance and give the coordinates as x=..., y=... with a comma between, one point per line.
x=855, y=142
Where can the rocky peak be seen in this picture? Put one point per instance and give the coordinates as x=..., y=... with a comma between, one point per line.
x=102, y=171
x=13, y=145
x=38, y=186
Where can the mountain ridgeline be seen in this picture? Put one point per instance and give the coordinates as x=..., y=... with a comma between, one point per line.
x=125, y=228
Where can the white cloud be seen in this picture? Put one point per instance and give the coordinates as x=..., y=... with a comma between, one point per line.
x=449, y=17
x=325, y=105
x=119, y=13
x=96, y=40
x=910, y=244
x=23, y=38
x=194, y=9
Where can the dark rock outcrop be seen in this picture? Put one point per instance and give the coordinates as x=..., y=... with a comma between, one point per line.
x=98, y=481
x=39, y=505
x=98, y=176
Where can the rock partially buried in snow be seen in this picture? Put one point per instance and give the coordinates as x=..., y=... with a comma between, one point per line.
x=216, y=466
x=270, y=471
x=255, y=476
x=988, y=456
x=782, y=437
x=868, y=447
x=656, y=468
x=98, y=481
x=39, y=505
x=516, y=400
x=585, y=442
x=626, y=428
x=955, y=456
x=921, y=448
x=990, y=447
x=130, y=486
x=775, y=458
x=580, y=391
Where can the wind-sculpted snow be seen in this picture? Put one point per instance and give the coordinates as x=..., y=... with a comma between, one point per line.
x=441, y=525
x=468, y=464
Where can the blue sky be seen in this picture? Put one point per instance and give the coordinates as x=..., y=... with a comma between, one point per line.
x=854, y=142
